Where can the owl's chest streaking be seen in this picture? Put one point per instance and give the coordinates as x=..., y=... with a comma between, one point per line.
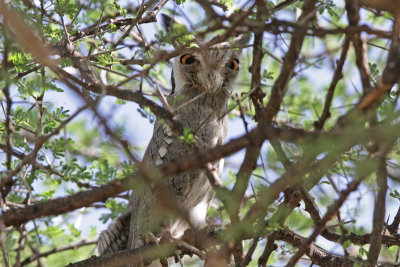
x=191, y=190
x=198, y=120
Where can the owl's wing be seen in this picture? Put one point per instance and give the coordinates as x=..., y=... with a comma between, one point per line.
x=166, y=146
x=115, y=237
x=163, y=146
x=188, y=190
x=120, y=233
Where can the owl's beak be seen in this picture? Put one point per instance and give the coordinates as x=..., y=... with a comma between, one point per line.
x=211, y=79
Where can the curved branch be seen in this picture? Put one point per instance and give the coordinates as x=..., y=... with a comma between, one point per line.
x=56, y=250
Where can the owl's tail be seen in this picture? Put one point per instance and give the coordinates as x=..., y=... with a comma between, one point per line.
x=115, y=238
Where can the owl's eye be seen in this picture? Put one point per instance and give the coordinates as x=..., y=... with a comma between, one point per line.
x=234, y=64
x=187, y=59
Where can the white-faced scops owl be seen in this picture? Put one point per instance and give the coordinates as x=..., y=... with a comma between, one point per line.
x=202, y=82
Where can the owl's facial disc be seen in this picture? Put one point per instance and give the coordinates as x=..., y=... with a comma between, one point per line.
x=208, y=73
x=209, y=70
x=217, y=69
x=215, y=76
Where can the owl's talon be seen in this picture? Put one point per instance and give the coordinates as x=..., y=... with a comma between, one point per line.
x=151, y=239
x=165, y=237
x=164, y=262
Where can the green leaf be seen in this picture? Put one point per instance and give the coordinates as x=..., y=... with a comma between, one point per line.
x=227, y=3
x=116, y=208
x=146, y=113
x=179, y=2
x=106, y=60
x=329, y=6
x=374, y=72
x=267, y=75
x=19, y=60
x=73, y=230
x=362, y=251
x=346, y=244
x=395, y=194
x=69, y=8
x=46, y=195
x=187, y=136
x=120, y=9
x=120, y=101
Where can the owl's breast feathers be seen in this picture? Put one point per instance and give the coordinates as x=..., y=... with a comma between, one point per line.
x=191, y=191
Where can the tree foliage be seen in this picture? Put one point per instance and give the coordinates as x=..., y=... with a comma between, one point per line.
x=312, y=176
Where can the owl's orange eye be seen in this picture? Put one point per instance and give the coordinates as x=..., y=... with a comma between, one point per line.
x=187, y=59
x=234, y=64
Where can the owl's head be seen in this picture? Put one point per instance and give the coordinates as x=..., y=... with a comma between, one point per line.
x=212, y=70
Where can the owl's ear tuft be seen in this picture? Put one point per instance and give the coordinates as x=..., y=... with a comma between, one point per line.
x=167, y=22
x=178, y=33
x=172, y=26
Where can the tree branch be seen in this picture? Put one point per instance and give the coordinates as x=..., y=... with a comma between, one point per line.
x=34, y=257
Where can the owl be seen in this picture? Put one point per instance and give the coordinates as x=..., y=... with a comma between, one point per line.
x=202, y=82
